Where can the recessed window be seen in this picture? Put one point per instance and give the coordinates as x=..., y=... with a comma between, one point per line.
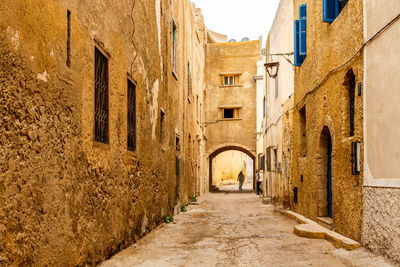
x=131, y=116
x=174, y=46
x=350, y=83
x=163, y=131
x=268, y=158
x=230, y=80
x=264, y=106
x=302, y=132
x=101, y=97
x=332, y=9
x=231, y=113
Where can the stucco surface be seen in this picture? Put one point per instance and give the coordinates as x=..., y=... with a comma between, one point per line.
x=65, y=199
x=381, y=94
x=231, y=57
x=328, y=47
x=381, y=221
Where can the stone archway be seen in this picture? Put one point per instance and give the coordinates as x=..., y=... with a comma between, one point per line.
x=325, y=175
x=224, y=148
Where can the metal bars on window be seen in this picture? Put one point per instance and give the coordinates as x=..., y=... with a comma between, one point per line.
x=131, y=116
x=101, y=97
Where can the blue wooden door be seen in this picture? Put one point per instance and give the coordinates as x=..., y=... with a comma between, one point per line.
x=329, y=178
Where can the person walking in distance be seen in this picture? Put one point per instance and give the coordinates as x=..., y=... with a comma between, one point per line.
x=241, y=180
x=259, y=182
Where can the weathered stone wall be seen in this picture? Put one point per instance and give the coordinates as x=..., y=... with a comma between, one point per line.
x=240, y=57
x=65, y=199
x=237, y=133
x=381, y=221
x=329, y=45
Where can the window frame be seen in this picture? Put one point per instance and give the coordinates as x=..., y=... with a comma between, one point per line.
x=103, y=53
x=132, y=149
x=174, y=48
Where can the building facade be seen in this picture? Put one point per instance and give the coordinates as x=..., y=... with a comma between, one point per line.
x=230, y=113
x=100, y=124
x=381, y=226
x=327, y=134
x=279, y=87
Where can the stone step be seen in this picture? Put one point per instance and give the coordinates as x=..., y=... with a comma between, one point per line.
x=326, y=222
x=310, y=229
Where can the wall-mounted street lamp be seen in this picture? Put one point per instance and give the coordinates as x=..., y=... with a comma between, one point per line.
x=272, y=69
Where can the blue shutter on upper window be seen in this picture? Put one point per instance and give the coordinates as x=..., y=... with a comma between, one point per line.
x=303, y=30
x=330, y=10
x=296, y=43
x=298, y=59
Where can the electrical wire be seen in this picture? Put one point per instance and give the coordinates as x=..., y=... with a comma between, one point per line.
x=337, y=68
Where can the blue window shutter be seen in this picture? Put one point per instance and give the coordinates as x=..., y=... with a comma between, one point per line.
x=330, y=10
x=296, y=43
x=303, y=11
x=303, y=30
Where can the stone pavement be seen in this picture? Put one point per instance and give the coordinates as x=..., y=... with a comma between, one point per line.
x=236, y=230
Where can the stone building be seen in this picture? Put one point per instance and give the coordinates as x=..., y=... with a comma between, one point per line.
x=327, y=134
x=381, y=209
x=230, y=112
x=279, y=87
x=100, y=137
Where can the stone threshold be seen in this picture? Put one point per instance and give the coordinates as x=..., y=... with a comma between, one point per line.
x=310, y=229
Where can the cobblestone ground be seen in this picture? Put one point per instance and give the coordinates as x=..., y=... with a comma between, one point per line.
x=235, y=230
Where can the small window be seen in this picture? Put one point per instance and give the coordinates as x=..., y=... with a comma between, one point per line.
x=276, y=159
x=177, y=143
x=163, y=133
x=230, y=80
x=231, y=113
x=268, y=158
x=331, y=9
x=262, y=161
x=131, y=116
x=101, y=97
x=264, y=106
x=302, y=132
x=174, y=46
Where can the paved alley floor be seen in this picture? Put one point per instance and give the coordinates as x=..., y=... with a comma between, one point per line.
x=236, y=230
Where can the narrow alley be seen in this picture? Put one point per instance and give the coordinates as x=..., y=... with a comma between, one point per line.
x=235, y=230
x=199, y=133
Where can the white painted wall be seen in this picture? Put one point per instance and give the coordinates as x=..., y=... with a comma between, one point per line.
x=280, y=42
x=381, y=95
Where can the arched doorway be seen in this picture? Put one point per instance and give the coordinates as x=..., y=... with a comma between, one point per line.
x=224, y=149
x=325, y=177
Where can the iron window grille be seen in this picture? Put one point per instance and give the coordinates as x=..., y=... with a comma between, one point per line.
x=131, y=116
x=101, y=97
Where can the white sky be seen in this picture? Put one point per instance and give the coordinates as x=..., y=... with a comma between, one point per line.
x=239, y=18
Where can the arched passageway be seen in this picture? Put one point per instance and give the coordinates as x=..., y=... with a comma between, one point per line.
x=246, y=166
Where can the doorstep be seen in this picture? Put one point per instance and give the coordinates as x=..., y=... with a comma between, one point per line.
x=326, y=222
x=310, y=229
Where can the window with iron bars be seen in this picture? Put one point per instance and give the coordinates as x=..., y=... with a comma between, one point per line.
x=101, y=97
x=131, y=116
